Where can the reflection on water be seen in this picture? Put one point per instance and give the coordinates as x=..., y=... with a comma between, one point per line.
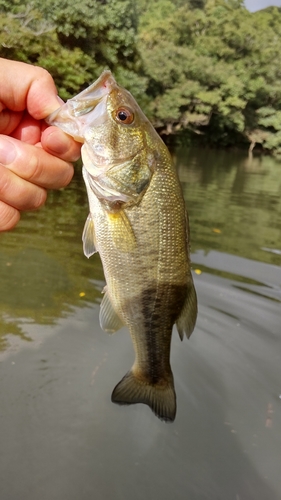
x=44, y=273
x=234, y=205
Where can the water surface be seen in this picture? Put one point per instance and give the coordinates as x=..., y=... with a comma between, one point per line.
x=60, y=435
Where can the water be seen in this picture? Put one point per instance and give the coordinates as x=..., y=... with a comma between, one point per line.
x=61, y=437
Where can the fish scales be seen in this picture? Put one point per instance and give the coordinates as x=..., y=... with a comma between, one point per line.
x=155, y=277
x=138, y=223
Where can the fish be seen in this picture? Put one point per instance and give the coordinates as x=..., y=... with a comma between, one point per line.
x=139, y=225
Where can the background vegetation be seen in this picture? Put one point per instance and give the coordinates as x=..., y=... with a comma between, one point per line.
x=204, y=69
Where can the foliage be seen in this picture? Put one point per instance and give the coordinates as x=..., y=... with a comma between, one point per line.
x=74, y=41
x=204, y=67
x=211, y=69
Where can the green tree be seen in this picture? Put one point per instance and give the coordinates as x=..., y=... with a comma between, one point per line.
x=74, y=41
x=210, y=70
x=207, y=68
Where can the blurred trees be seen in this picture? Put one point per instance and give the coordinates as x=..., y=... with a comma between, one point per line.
x=207, y=68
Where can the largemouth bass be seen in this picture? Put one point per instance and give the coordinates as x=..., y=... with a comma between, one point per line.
x=139, y=226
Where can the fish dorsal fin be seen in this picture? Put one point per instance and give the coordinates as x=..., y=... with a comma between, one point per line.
x=122, y=233
x=109, y=319
x=187, y=319
x=89, y=237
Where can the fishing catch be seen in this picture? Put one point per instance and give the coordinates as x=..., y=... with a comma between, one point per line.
x=138, y=223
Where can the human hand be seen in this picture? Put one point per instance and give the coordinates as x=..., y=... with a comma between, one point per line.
x=33, y=156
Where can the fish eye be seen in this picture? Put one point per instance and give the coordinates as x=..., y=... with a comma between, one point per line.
x=124, y=115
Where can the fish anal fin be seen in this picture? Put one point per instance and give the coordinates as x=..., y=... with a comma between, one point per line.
x=187, y=318
x=161, y=398
x=109, y=319
x=89, y=237
x=121, y=231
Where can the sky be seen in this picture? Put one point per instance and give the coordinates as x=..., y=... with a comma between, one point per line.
x=254, y=5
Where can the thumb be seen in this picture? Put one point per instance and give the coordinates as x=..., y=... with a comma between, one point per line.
x=24, y=86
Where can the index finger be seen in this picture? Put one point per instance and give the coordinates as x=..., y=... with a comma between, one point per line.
x=34, y=164
x=24, y=86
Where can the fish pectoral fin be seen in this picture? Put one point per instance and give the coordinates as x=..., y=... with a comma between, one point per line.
x=89, y=237
x=122, y=232
x=109, y=319
x=161, y=398
x=187, y=318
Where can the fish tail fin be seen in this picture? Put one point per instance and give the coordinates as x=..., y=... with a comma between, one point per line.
x=161, y=398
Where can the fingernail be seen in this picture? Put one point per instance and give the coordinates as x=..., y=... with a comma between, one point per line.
x=8, y=152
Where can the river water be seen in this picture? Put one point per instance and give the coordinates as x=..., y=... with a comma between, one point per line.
x=60, y=435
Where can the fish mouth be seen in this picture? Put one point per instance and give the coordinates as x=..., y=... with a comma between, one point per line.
x=86, y=108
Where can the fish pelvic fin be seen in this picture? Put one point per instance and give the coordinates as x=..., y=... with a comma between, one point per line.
x=161, y=398
x=187, y=318
x=89, y=237
x=109, y=319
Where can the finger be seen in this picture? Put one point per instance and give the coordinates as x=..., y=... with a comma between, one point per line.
x=57, y=143
x=9, y=216
x=19, y=193
x=25, y=86
x=28, y=130
x=9, y=120
x=34, y=164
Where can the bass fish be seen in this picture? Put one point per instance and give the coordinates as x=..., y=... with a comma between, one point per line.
x=138, y=224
